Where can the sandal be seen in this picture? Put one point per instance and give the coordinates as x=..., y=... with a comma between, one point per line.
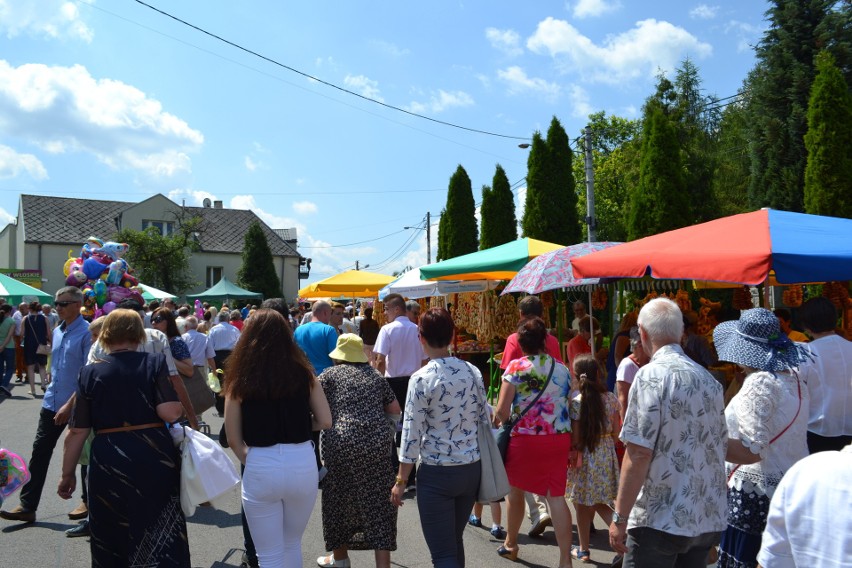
x=508, y=553
x=581, y=555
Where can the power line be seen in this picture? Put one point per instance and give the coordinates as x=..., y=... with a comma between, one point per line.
x=358, y=243
x=326, y=83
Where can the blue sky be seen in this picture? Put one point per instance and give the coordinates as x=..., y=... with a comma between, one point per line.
x=112, y=100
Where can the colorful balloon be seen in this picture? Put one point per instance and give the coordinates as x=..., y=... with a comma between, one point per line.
x=108, y=307
x=13, y=473
x=112, y=249
x=93, y=269
x=116, y=271
x=77, y=279
x=100, y=289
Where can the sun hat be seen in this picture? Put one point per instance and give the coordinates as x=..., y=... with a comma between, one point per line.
x=350, y=348
x=756, y=341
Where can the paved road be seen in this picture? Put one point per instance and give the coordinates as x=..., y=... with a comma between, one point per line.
x=216, y=536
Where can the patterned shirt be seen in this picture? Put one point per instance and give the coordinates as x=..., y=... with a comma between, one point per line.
x=442, y=407
x=550, y=413
x=676, y=409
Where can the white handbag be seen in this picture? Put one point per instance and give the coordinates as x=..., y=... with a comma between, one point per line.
x=207, y=473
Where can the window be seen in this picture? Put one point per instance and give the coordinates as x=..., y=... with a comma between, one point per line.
x=214, y=274
x=166, y=228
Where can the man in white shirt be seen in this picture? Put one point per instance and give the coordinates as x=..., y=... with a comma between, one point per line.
x=223, y=337
x=200, y=349
x=180, y=320
x=398, y=350
x=671, y=506
x=828, y=374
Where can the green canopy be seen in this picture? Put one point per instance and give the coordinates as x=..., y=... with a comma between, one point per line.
x=498, y=263
x=149, y=293
x=16, y=292
x=223, y=291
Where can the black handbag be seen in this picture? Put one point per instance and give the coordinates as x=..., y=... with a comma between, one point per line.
x=505, y=431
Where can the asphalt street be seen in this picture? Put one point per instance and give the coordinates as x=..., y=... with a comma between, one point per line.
x=215, y=536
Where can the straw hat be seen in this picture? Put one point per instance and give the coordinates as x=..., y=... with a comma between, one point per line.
x=350, y=348
x=756, y=341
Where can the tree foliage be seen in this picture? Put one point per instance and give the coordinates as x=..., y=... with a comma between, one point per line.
x=257, y=272
x=162, y=261
x=828, y=141
x=550, y=210
x=499, y=224
x=780, y=87
x=732, y=164
x=458, y=221
x=660, y=201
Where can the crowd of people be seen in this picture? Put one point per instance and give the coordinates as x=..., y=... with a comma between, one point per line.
x=329, y=400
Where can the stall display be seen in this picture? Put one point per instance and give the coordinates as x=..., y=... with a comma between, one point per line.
x=792, y=296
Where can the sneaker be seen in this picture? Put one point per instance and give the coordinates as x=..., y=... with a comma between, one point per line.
x=330, y=562
x=80, y=530
x=498, y=532
x=19, y=514
x=538, y=528
x=81, y=512
x=474, y=521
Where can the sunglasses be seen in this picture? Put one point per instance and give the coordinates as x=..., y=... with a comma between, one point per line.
x=157, y=319
x=66, y=304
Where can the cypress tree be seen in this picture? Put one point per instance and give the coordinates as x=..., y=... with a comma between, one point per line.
x=532, y=223
x=828, y=141
x=257, y=272
x=499, y=224
x=442, y=236
x=460, y=224
x=563, y=225
x=660, y=201
x=780, y=88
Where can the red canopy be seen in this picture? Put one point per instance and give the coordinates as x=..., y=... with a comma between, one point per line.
x=731, y=249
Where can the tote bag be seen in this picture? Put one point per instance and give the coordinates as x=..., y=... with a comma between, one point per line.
x=493, y=481
x=200, y=395
x=206, y=473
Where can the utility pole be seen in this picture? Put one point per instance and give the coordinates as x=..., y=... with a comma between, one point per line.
x=590, y=187
x=428, y=237
x=356, y=266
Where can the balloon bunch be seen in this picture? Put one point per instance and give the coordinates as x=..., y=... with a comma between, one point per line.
x=13, y=473
x=105, y=277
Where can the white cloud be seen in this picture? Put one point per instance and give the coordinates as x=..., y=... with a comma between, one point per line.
x=442, y=101
x=580, y=106
x=364, y=86
x=304, y=207
x=193, y=197
x=747, y=34
x=520, y=206
x=640, y=52
x=6, y=217
x=65, y=109
x=251, y=165
x=703, y=12
x=594, y=8
x=56, y=19
x=390, y=49
x=519, y=83
x=507, y=41
x=13, y=164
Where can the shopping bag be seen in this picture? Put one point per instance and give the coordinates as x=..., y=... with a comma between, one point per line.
x=207, y=473
x=200, y=395
x=493, y=481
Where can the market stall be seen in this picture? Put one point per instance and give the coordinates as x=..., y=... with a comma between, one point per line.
x=355, y=283
x=149, y=293
x=413, y=287
x=498, y=263
x=15, y=292
x=225, y=291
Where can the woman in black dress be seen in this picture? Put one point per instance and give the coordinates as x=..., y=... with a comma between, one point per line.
x=134, y=510
x=35, y=330
x=356, y=511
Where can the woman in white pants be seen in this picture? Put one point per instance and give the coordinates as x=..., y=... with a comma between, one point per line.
x=272, y=404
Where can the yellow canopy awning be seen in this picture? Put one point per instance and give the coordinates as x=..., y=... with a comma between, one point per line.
x=352, y=282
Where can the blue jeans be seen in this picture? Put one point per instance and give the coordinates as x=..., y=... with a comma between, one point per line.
x=7, y=367
x=652, y=548
x=445, y=496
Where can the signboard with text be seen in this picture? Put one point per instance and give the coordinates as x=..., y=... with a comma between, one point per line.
x=28, y=277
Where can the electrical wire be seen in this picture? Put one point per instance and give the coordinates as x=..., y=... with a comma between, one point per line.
x=358, y=243
x=326, y=83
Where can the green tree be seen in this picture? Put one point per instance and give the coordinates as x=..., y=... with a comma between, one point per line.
x=660, y=201
x=441, y=253
x=499, y=224
x=780, y=87
x=732, y=164
x=615, y=157
x=828, y=142
x=162, y=261
x=458, y=221
x=257, y=272
x=550, y=211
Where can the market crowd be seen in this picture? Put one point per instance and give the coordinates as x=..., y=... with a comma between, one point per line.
x=684, y=466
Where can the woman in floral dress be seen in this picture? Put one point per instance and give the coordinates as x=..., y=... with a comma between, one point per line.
x=593, y=481
x=537, y=458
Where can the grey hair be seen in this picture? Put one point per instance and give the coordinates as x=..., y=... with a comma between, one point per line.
x=320, y=306
x=412, y=305
x=191, y=322
x=635, y=338
x=70, y=291
x=223, y=317
x=662, y=320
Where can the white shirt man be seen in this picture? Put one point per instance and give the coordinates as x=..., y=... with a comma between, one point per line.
x=398, y=350
x=223, y=336
x=200, y=349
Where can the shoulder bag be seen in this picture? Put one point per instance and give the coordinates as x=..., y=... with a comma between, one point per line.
x=506, y=429
x=42, y=348
x=493, y=481
x=200, y=394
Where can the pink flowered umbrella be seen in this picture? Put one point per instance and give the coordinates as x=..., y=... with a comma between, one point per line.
x=552, y=270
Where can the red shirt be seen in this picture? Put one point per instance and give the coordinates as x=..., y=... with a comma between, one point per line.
x=237, y=324
x=577, y=346
x=513, y=350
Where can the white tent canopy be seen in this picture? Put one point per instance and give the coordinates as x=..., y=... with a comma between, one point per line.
x=411, y=286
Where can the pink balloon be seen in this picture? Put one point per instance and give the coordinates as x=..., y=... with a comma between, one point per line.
x=108, y=307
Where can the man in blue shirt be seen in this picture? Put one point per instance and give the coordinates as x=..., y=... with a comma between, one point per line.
x=71, y=344
x=317, y=338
